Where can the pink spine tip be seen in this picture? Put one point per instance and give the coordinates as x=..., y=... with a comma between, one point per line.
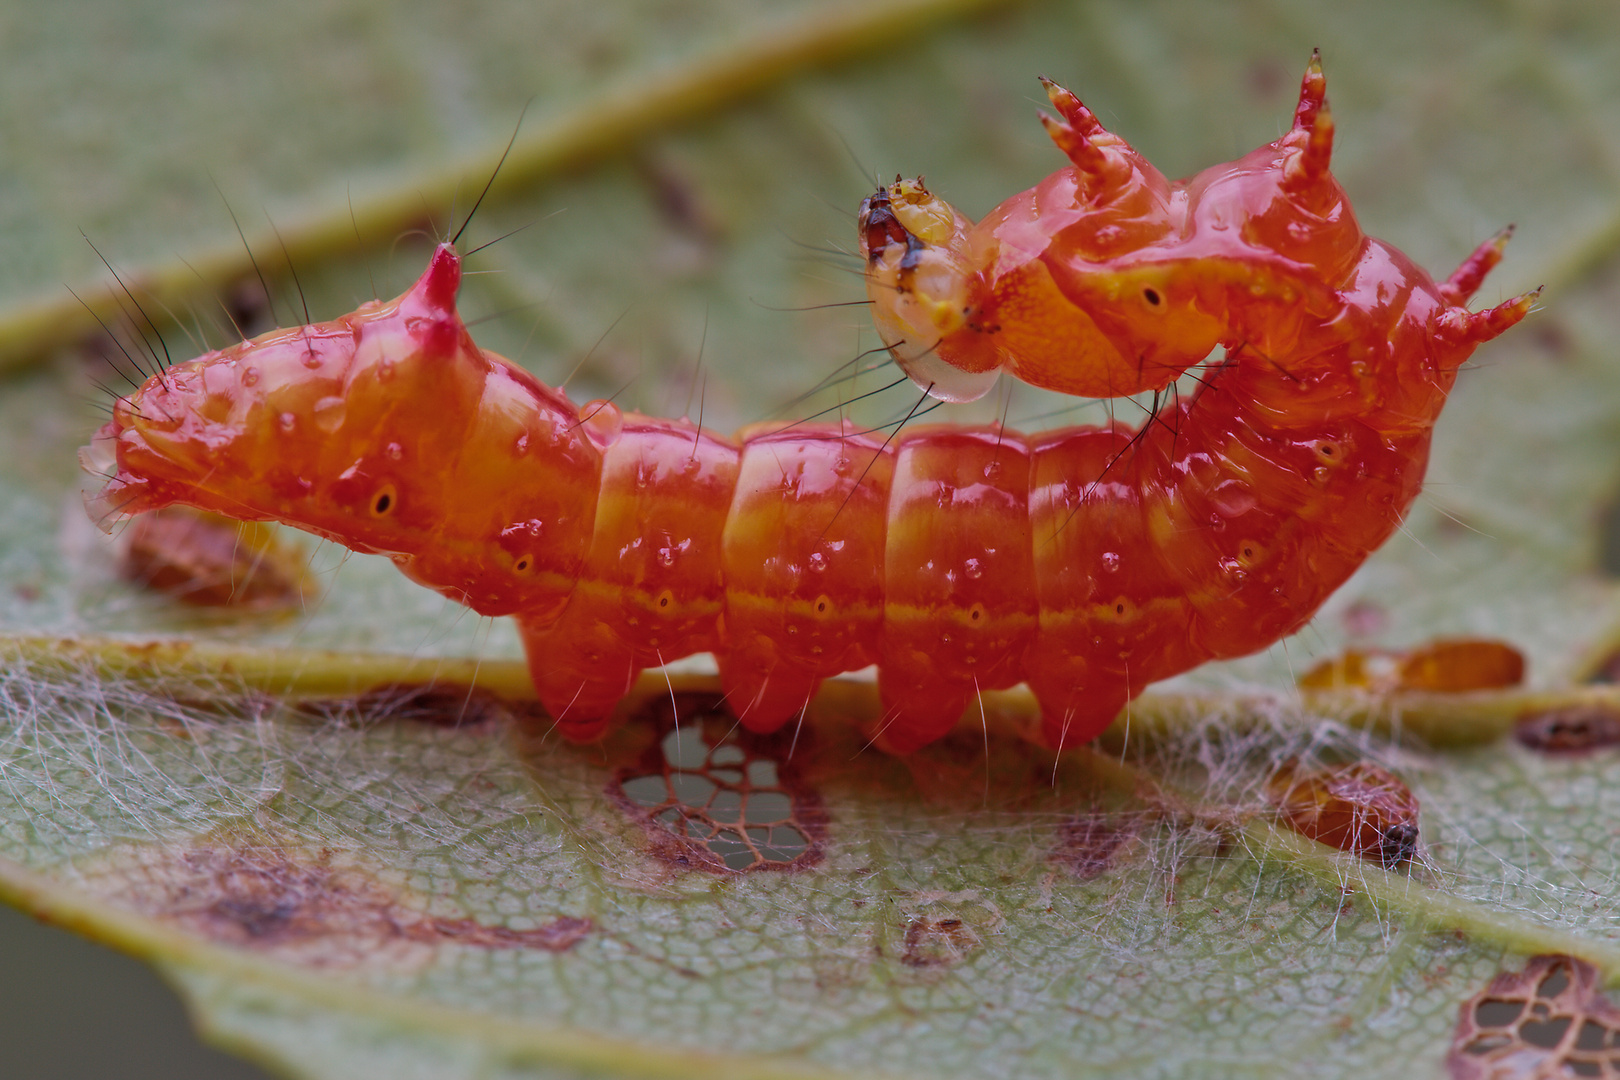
x=437, y=287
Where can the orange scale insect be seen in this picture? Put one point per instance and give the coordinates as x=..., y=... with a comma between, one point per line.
x=1359, y=807
x=1087, y=562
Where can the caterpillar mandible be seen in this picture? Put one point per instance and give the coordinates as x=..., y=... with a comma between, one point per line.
x=1088, y=561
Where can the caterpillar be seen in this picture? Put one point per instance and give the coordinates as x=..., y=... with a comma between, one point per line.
x=1087, y=561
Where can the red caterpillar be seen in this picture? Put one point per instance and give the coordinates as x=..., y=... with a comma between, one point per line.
x=1088, y=562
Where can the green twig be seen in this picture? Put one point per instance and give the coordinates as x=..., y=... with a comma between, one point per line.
x=1439, y=720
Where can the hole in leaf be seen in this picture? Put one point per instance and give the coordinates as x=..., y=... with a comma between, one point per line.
x=1495, y=1013
x=1556, y=982
x=769, y=806
x=692, y=789
x=683, y=751
x=727, y=806
x=719, y=798
x=1498, y=1036
x=647, y=790
x=1481, y=1047
x=1591, y=1036
x=786, y=844
x=1547, y=1033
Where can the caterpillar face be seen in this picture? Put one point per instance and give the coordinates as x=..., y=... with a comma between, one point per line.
x=926, y=297
x=957, y=304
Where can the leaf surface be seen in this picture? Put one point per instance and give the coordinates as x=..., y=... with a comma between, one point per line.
x=370, y=890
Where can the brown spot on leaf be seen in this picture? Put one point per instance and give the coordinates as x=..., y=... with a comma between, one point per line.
x=712, y=796
x=249, y=308
x=941, y=930
x=678, y=198
x=1549, y=1020
x=937, y=942
x=1552, y=337
x=312, y=908
x=1361, y=807
x=1578, y=729
x=1267, y=79
x=207, y=560
x=1094, y=841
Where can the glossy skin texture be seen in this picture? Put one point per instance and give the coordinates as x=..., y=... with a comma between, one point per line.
x=1088, y=562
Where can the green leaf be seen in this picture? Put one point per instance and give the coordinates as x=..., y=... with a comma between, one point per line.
x=372, y=889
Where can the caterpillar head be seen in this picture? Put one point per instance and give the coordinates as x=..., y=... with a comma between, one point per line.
x=386, y=429
x=926, y=291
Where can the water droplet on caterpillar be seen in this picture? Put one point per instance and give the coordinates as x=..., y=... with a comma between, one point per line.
x=603, y=422
x=1233, y=498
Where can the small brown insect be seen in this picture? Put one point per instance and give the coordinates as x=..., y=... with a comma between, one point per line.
x=1361, y=807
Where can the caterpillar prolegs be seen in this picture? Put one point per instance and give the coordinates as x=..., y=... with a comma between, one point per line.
x=1086, y=561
